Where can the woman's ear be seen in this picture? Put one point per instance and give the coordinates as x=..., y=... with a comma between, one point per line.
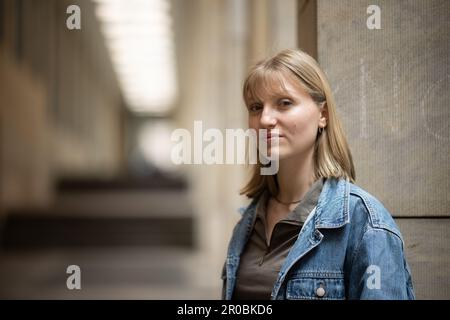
x=323, y=120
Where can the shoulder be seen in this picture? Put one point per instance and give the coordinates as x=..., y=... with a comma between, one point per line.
x=364, y=205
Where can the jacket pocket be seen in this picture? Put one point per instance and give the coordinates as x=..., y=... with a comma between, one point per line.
x=316, y=286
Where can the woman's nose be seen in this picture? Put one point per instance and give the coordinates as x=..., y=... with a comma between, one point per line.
x=268, y=117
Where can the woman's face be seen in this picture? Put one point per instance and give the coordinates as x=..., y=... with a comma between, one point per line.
x=282, y=104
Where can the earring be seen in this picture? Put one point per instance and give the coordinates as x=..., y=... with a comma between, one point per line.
x=320, y=130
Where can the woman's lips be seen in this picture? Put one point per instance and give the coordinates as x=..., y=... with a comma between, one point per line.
x=271, y=137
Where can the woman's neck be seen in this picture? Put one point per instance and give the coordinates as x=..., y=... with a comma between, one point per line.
x=295, y=177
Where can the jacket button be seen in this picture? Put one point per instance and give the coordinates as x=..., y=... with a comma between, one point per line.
x=320, y=292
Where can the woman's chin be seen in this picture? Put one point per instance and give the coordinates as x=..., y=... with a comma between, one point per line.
x=275, y=154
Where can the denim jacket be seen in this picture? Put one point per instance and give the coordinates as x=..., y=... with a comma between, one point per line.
x=348, y=248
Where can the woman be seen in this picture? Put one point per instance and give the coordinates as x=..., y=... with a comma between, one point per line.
x=309, y=233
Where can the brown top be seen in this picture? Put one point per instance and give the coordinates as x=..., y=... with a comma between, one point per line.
x=261, y=260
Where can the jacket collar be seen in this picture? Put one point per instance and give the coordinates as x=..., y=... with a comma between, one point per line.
x=332, y=209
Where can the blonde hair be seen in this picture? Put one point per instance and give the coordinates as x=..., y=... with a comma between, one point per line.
x=332, y=156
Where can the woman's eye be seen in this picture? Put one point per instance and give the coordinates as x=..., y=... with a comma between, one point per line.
x=254, y=108
x=285, y=103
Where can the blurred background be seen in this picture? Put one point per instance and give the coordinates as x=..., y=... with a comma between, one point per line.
x=87, y=111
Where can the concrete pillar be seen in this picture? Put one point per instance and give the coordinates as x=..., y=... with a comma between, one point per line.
x=392, y=91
